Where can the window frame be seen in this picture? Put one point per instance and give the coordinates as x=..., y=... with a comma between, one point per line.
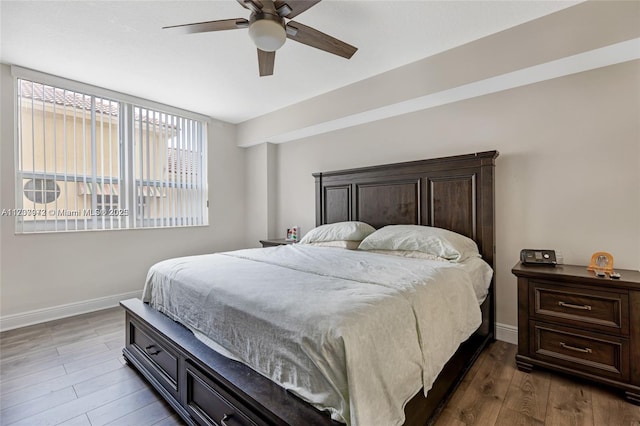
x=127, y=181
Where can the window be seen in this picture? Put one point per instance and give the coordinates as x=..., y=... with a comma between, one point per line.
x=41, y=191
x=85, y=161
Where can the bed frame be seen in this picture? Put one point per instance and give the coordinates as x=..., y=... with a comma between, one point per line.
x=455, y=193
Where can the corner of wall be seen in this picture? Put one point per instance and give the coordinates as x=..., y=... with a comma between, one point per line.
x=255, y=194
x=261, y=193
x=272, y=191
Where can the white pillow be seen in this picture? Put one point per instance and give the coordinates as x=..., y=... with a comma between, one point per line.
x=410, y=253
x=340, y=231
x=349, y=245
x=425, y=239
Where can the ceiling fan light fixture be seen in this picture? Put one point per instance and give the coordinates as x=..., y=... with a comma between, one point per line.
x=269, y=30
x=268, y=35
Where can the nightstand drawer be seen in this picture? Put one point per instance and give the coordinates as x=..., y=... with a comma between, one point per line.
x=601, y=310
x=593, y=353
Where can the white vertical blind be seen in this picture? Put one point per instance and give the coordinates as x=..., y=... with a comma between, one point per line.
x=19, y=153
x=84, y=164
x=169, y=186
x=79, y=156
x=65, y=161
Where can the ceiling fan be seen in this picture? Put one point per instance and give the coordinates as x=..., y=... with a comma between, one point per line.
x=268, y=30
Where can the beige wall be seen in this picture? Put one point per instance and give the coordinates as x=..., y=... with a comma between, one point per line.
x=568, y=175
x=43, y=271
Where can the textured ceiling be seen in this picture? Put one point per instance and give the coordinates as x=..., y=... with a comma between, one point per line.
x=120, y=45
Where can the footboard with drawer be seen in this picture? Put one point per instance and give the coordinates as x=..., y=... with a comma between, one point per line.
x=204, y=387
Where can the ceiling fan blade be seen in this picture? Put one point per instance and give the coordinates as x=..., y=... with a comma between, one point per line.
x=252, y=5
x=203, y=27
x=265, y=62
x=296, y=6
x=314, y=38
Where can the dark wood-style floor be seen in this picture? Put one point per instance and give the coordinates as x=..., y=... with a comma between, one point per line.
x=71, y=372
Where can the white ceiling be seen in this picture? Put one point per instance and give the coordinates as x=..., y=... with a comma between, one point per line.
x=119, y=45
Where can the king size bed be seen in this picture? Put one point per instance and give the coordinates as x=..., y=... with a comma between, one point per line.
x=314, y=334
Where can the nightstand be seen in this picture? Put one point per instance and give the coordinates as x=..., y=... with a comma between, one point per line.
x=571, y=321
x=270, y=242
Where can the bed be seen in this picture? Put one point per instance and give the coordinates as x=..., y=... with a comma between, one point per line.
x=206, y=387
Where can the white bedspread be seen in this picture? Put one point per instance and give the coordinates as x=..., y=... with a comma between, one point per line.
x=354, y=333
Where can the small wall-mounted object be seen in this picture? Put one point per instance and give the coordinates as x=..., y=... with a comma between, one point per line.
x=601, y=263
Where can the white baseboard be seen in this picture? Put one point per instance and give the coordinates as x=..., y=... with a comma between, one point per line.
x=507, y=333
x=9, y=322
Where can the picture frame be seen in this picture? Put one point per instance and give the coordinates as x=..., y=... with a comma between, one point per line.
x=292, y=233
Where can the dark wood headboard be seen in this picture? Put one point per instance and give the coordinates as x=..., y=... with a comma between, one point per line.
x=455, y=193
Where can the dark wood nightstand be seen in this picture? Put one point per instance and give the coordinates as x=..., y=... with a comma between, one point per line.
x=569, y=320
x=270, y=242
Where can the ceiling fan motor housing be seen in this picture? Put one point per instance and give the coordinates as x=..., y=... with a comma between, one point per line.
x=267, y=31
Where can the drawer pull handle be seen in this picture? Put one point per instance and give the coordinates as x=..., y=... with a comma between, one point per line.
x=572, y=306
x=226, y=417
x=573, y=348
x=148, y=349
